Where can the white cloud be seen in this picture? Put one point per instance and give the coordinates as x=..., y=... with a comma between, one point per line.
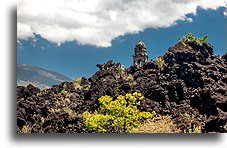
x=24, y=31
x=225, y=13
x=98, y=22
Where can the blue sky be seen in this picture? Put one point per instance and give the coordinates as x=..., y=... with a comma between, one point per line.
x=75, y=59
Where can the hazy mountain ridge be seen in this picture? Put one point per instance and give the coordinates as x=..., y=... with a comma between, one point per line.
x=35, y=42
x=38, y=76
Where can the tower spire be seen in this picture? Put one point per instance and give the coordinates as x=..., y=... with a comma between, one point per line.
x=140, y=54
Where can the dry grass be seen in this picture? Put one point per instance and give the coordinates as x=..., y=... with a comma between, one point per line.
x=194, y=126
x=25, y=129
x=77, y=83
x=159, y=124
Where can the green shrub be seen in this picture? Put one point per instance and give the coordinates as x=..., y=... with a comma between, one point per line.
x=68, y=110
x=121, y=69
x=64, y=92
x=191, y=36
x=160, y=62
x=120, y=115
x=120, y=72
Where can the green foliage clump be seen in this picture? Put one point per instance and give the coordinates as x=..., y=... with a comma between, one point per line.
x=68, y=110
x=160, y=62
x=191, y=36
x=129, y=77
x=120, y=72
x=120, y=115
x=88, y=87
x=130, y=80
x=120, y=68
x=77, y=83
x=64, y=92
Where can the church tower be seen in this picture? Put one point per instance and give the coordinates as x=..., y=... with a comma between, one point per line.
x=140, y=54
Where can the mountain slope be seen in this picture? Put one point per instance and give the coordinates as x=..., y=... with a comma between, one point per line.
x=38, y=76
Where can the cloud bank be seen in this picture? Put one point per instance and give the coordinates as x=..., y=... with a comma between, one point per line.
x=98, y=22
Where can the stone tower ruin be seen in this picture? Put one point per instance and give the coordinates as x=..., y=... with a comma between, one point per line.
x=140, y=54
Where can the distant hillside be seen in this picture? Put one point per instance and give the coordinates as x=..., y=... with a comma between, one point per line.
x=38, y=76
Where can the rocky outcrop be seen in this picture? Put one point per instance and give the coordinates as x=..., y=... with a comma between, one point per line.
x=191, y=85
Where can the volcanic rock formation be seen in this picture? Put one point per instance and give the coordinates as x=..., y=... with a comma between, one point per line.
x=192, y=81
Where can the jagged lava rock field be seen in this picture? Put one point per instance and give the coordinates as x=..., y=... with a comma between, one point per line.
x=192, y=81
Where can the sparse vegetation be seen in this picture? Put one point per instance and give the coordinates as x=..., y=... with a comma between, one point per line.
x=120, y=69
x=77, y=83
x=133, y=83
x=166, y=124
x=68, y=110
x=88, y=87
x=160, y=62
x=129, y=79
x=64, y=92
x=25, y=129
x=192, y=127
x=120, y=72
x=191, y=36
x=158, y=124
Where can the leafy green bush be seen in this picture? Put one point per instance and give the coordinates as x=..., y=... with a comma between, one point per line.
x=120, y=115
x=191, y=36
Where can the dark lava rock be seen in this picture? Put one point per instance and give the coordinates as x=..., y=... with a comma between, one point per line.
x=225, y=56
x=192, y=82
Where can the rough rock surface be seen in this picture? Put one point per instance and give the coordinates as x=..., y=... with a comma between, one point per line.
x=192, y=81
